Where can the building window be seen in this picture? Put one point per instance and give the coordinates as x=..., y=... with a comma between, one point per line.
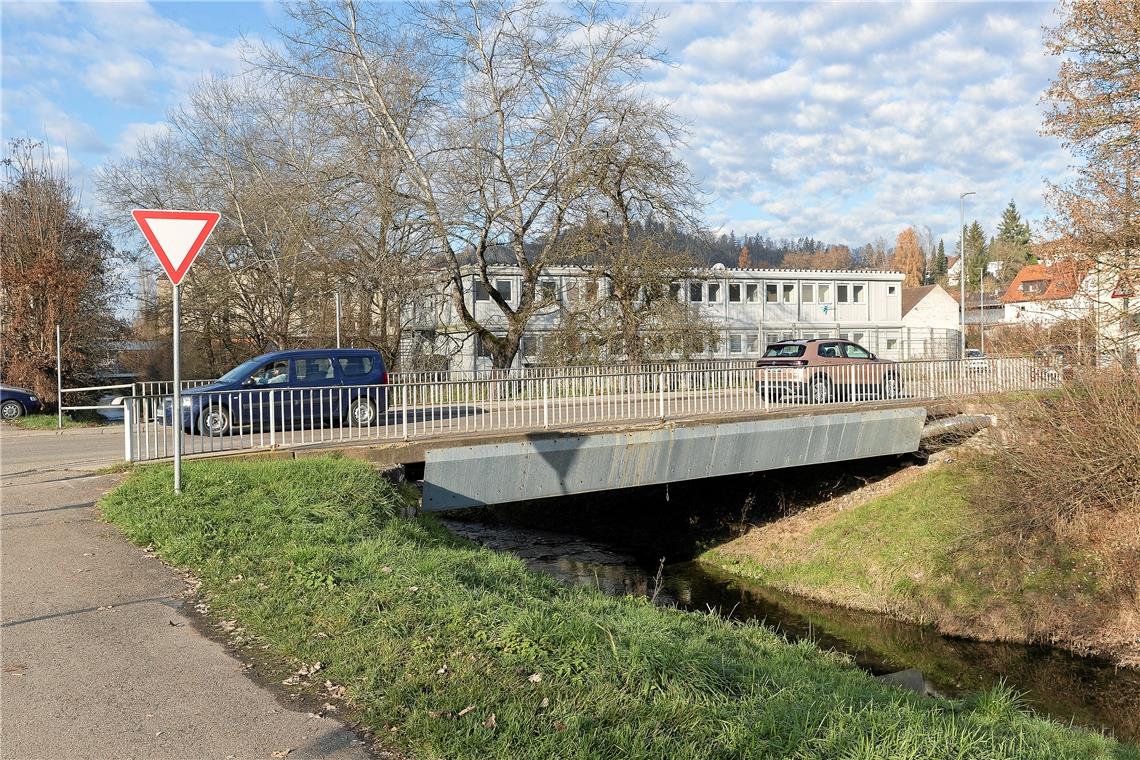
x=789, y=292
x=570, y=294
x=528, y=346
x=751, y=293
x=771, y=292
x=547, y=290
x=891, y=290
x=753, y=344
x=735, y=343
x=696, y=292
x=734, y=292
x=892, y=344
x=504, y=288
x=807, y=293
x=841, y=292
x=675, y=291
x=591, y=290
x=481, y=291
x=823, y=292
x=482, y=348
x=714, y=292
x=857, y=293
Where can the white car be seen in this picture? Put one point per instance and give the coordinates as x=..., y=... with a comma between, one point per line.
x=976, y=361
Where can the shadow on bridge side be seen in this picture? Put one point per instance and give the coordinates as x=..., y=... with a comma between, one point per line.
x=541, y=466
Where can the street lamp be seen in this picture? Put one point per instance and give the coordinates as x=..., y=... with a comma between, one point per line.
x=962, y=270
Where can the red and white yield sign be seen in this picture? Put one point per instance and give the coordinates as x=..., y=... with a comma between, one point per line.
x=176, y=236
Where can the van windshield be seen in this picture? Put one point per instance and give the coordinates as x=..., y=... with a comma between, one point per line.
x=240, y=372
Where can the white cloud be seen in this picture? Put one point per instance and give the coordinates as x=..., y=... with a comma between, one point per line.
x=861, y=119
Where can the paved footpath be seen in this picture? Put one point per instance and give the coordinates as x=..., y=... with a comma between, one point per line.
x=99, y=660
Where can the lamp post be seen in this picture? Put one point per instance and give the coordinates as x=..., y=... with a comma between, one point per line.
x=962, y=270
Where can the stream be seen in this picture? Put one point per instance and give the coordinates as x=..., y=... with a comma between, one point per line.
x=1085, y=691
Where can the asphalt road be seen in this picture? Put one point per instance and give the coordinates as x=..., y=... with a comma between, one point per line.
x=101, y=658
x=30, y=455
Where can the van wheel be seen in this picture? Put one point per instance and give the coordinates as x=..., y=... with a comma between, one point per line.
x=819, y=391
x=214, y=421
x=361, y=412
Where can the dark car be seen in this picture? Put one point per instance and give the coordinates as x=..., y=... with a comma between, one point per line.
x=824, y=369
x=290, y=389
x=15, y=402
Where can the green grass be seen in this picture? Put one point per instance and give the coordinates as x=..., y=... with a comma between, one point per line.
x=44, y=421
x=926, y=554
x=888, y=547
x=419, y=625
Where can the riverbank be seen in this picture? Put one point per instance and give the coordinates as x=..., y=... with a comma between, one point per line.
x=441, y=648
x=914, y=546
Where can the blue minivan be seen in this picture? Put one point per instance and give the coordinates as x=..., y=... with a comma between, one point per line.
x=288, y=389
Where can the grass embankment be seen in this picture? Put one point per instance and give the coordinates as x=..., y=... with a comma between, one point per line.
x=927, y=553
x=51, y=422
x=450, y=650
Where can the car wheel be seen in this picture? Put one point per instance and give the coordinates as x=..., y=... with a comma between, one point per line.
x=892, y=388
x=819, y=391
x=11, y=410
x=214, y=421
x=361, y=412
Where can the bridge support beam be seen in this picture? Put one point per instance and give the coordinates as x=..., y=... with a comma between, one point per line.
x=542, y=466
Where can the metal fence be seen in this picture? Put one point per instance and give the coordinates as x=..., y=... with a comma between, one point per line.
x=559, y=400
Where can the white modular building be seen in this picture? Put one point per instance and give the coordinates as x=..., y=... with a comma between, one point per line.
x=749, y=308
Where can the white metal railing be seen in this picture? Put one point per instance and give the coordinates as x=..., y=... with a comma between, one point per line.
x=273, y=417
x=88, y=391
x=590, y=370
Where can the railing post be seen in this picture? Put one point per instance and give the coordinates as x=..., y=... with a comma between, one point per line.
x=272, y=421
x=661, y=396
x=546, y=404
x=404, y=404
x=128, y=430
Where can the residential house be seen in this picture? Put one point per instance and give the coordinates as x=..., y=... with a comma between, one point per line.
x=930, y=317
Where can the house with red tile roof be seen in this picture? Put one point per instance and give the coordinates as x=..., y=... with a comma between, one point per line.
x=1048, y=293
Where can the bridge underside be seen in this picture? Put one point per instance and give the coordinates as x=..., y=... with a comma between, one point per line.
x=542, y=466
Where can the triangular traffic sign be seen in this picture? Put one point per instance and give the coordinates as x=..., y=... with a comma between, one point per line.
x=176, y=236
x=1124, y=288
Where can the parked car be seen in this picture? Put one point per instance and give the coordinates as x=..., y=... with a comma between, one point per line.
x=15, y=402
x=289, y=389
x=824, y=369
x=975, y=360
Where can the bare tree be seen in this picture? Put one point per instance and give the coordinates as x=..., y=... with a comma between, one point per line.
x=643, y=198
x=1094, y=108
x=57, y=267
x=493, y=111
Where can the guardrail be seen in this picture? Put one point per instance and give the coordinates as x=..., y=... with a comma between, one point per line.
x=268, y=417
x=62, y=407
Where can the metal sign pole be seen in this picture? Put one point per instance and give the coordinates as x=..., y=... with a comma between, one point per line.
x=338, y=319
x=58, y=378
x=176, y=413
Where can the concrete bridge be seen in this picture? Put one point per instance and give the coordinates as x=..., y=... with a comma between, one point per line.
x=551, y=433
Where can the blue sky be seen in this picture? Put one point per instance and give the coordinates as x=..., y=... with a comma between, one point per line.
x=844, y=122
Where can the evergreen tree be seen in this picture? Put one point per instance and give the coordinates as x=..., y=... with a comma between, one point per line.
x=938, y=264
x=977, y=254
x=1011, y=246
x=1013, y=229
